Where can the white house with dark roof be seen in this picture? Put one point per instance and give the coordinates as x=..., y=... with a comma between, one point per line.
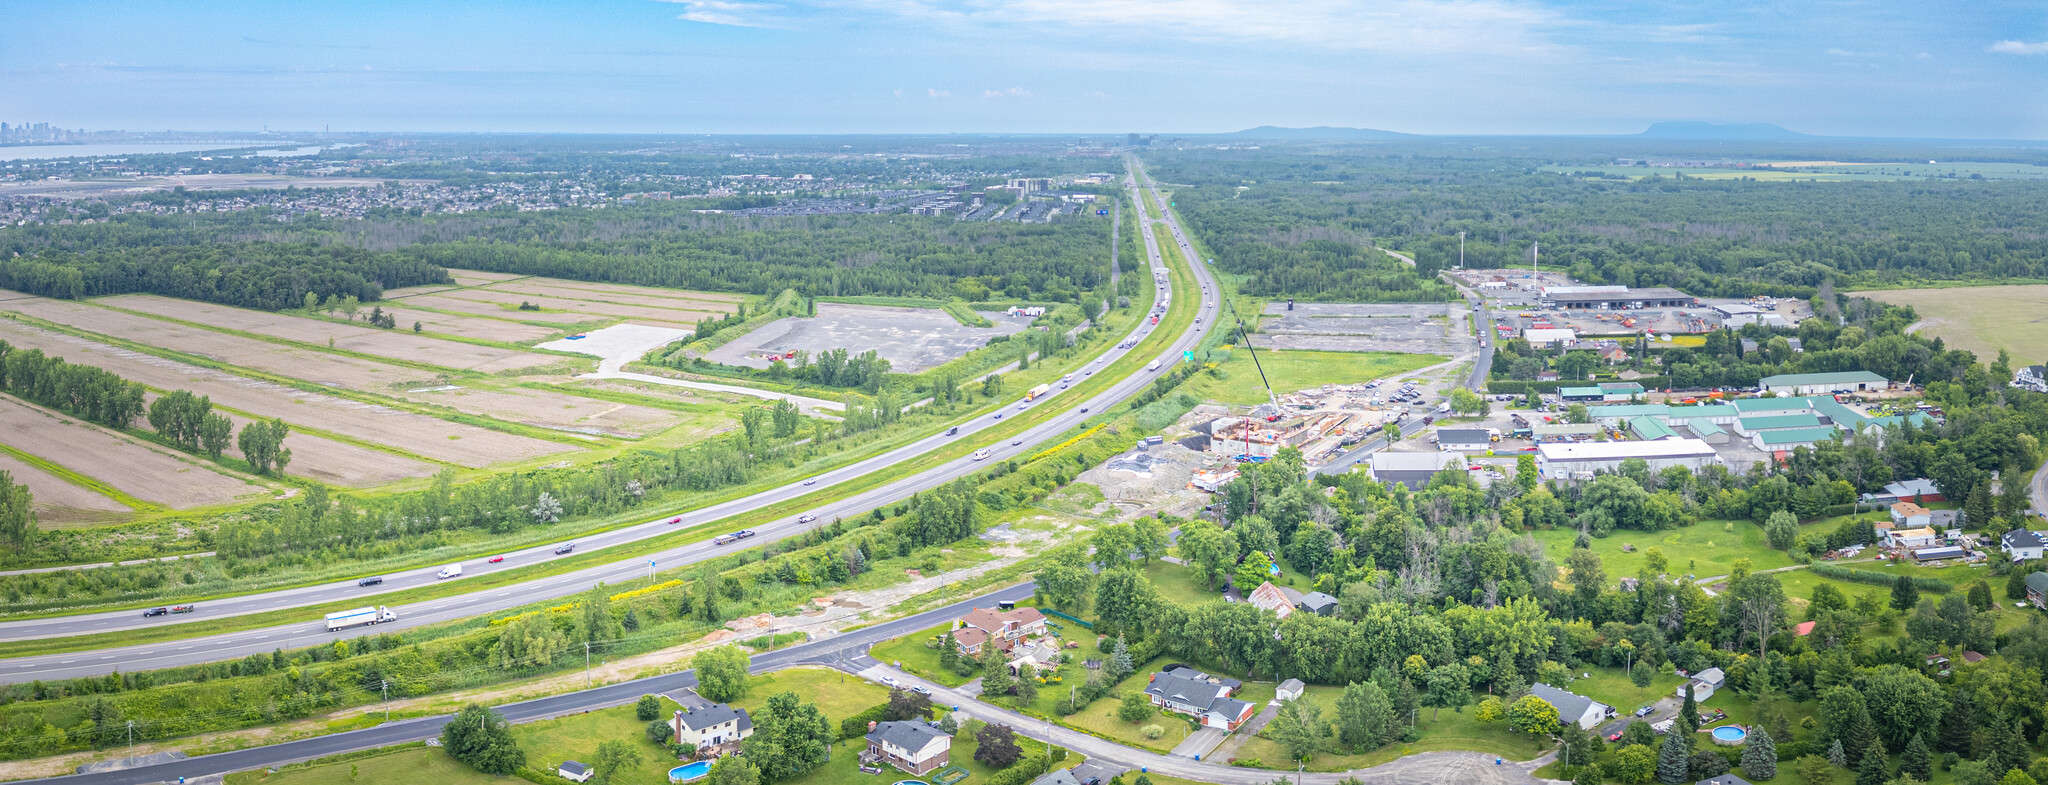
x=1572, y=707
x=916, y=747
x=2023, y=544
x=1703, y=684
x=574, y=772
x=1057, y=777
x=711, y=726
x=1191, y=692
x=2032, y=377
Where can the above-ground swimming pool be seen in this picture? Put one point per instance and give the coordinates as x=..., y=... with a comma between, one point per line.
x=689, y=771
x=1729, y=735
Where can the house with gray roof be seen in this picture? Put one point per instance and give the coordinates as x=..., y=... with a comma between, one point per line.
x=2023, y=544
x=1057, y=777
x=1572, y=707
x=915, y=747
x=711, y=726
x=1191, y=692
x=1318, y=603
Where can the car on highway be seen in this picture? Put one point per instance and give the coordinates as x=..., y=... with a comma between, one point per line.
x=1022, y=405
x=675, y=520
x=1015, y=442
x=494, y=560
x=999, y=415
x=156, y=612
x=564, y=548
x=184, y=608
x=1084, y=410
x=806, y=518
x=889, y=681
x=981, y=455
x=953, y=431
x=920, y=689
x=810, y=481
x=371, y=581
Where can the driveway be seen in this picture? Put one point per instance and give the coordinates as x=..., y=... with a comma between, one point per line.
x=1199, y=744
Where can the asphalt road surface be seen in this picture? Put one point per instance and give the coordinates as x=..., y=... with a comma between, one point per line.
x=347, y=594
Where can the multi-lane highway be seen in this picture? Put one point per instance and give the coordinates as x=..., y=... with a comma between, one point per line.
x=336, y=596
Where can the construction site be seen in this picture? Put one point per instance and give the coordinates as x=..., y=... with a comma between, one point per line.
x=1318, y=422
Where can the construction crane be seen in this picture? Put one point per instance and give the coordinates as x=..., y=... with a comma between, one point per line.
x=1246, y=339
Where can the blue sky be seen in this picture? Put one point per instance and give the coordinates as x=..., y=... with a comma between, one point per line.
x=1944, y=68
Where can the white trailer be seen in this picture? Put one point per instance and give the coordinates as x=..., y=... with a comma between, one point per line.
x=368, y=615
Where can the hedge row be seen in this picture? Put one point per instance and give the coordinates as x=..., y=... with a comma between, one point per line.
x=1841, y=573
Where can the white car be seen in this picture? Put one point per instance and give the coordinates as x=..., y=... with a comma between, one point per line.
x=889, y=681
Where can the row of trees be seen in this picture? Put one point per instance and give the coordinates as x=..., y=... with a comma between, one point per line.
x=266, y=276
x=79, y=390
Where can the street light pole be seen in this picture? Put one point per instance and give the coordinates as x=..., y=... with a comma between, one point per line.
x=586, y=664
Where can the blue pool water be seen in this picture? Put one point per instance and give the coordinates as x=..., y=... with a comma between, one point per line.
x=1730, y=733
x=691, y=771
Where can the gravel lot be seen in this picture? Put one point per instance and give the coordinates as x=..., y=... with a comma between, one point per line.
x=911, y=339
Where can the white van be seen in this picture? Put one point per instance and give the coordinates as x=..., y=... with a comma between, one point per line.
x=450, y=571
x=981, y=455
x=1153, y=367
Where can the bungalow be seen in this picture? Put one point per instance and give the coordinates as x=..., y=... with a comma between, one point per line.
x=1801, y=629
x=574, y=772
x=1318, y=603
x=1704, y=683
x=1191, y=692
x=1921, y=537
x=1057, y=777
x=1005, y=627
x=1572, y=708
x=711, y=726
x=1268, y=597
x=2023, y=545
x=1724, y=779
x=915, y=747
x=2037, y=589
x=1910, y=516
x=1614, y=355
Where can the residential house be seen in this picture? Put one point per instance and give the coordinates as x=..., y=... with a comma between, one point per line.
x=1907, y=515
x=1004, y=627
x=1725, y=779
x=1464, y=439
x=1318, y=603
x=2032, y=377
x=1571, y=707
x=1191, y=692
x=1288, y=690
x=2023, y=545
x=2037, y=589
x=1614, y=355
x=1914, y=490
x=1057, y=777
x=711, y=726
x=574, y=772
x=1801, y=629
x=1704, y=683
x=915, y=747
x=1921, y=537
x=1268, y=597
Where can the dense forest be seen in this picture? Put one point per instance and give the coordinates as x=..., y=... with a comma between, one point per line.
x=1285, y=218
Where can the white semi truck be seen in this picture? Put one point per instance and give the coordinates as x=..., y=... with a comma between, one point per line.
x=374, y=614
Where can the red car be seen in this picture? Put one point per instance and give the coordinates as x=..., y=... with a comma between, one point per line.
x=675, y=520
x=1615, y=736
x=495, y=559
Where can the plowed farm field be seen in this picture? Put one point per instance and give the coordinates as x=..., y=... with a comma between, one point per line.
x=57, y=501
x=144, y=471
x=565, y=310
x=397, y=344
x=418, y=434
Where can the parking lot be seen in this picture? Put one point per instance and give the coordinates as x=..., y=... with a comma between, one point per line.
x=1423, y=328
x=911, y=339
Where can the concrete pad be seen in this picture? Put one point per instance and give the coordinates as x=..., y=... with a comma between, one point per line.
x=618, y=344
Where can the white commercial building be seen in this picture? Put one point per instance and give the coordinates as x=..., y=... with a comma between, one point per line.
x=1545, y=336
x=1559, y=461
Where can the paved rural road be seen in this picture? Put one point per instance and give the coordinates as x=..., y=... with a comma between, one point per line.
x=346, y=594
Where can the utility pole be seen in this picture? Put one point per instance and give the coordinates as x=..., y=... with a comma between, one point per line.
x=131, y=738
x=1461, y=250
x=384, y=685
x=586, y=664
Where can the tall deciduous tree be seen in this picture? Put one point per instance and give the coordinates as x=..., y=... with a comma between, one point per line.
x=722, y=673
x=791, y=738
x=483, y=739
x=17, y=514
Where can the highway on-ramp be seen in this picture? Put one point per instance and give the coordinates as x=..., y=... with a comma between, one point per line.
x=345, y=594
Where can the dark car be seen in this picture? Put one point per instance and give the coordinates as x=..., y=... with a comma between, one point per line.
x=371, y=581
x=156, y=612
x=564, y=548
x=953, y=431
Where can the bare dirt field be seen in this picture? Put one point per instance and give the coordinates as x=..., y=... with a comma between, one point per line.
x=479, y=277
x=335, y=462
x=685, y=313
x=559, y=411
x=419, y=434
x=911, y=339
x=57, y=501
x=651, y=298
x=567, y=286
x=1981, y=319
x=487, y=327
x=447, y=301
x=144, y=471
x=399, y=344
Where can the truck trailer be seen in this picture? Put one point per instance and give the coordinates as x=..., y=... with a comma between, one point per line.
x=374, y=614
x=1035, y=392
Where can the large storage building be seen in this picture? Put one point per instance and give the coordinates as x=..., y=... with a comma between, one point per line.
x=1823, y=383
x=1563, y=461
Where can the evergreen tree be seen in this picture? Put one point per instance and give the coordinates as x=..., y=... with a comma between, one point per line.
x=1120, y=661
x=1760, y=756
x=1958, y=725
x=1905, y=594
x=1673, y=768
x=2006, y=748
x=1869, y=772
x=1916, y=760
x=1837, y=757
x=1689, y=714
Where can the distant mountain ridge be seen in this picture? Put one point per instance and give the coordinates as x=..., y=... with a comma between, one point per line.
x=1318, y=132
x=1716, y=131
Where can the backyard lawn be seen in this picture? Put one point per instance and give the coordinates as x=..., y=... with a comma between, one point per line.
x=409, y=764
x=1612, y=687
x=1179, y=585
x=1703, y=549
x=1449, y=731
x=1099, y=717
x=844, y=768
x=914, y=656
x=837, y=694
x=575, y=737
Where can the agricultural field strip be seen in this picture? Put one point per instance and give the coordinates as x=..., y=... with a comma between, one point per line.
x=533, y=408
x=876, y=480
x=393, y=344
x=481, y=277
x=52, y=491
x=409, y=311
x=598, y=297
x=334, y=461
x=508, y=301
x=148, y=472
x=369, y=424
x=445, y=302
x=722, y=298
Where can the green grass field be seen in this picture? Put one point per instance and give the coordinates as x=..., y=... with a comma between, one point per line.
x=911, y=653
x=1981, y=319
x=409, y=764
x=836, y=694
x=1448, y=731
x=575, y=737
x=1297, y=370
x=1702, y=549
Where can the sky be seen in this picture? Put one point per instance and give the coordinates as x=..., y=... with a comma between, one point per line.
x=1886, y=68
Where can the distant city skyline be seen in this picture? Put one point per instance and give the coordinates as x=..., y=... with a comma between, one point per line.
x=1874, y=68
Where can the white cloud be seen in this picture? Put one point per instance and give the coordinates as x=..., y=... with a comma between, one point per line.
x=2020, y=48
x=937, y=93
x=726, y=12
x=1014, y=92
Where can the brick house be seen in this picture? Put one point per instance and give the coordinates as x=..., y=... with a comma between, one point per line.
x=915, y=747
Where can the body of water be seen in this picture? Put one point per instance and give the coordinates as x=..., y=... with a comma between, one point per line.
x=45, y=151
